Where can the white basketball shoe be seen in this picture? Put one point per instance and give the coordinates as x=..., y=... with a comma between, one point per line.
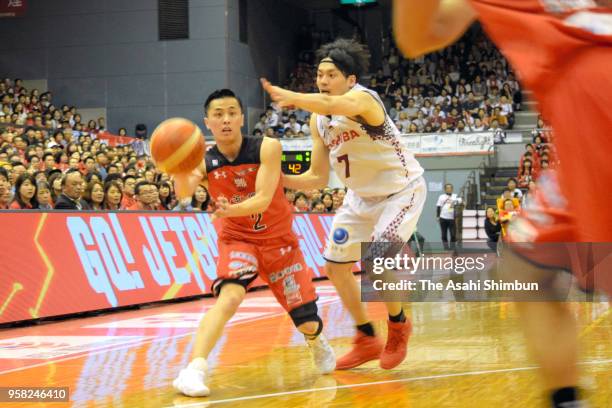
x=322, y=354
x=191, y=381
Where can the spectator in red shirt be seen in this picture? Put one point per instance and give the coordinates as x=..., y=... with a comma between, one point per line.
x=94, y=195
x=25, y=193
x=128, y=200
x=165, y=196
x=328, y=202
x=49, y=161
x=146, y=196
x=526, y=174
x=5, y=189
x=112, y=195
x=300, y=202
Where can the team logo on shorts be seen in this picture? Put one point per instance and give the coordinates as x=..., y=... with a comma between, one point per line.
x=340, y=236
x=237, y=265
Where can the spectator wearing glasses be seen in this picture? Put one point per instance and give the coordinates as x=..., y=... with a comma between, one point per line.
x=146, y=196
x=129, y=184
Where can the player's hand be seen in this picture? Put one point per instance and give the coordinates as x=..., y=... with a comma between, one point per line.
x=185, y=184
x=282, y=97
x=223, y=209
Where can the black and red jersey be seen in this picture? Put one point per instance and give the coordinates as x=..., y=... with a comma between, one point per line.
x=235, y=180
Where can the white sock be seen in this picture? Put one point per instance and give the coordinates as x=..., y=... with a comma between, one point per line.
x=198, y=364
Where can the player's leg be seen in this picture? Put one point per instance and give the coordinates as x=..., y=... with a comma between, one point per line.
x=550, y=332
x=398, y=220
x=347, y=286
x=236, y=270
x=306, y=319
x=343, y=249
x=290, y=279
x=549, y=327
x=191, y=380
x=211, y=326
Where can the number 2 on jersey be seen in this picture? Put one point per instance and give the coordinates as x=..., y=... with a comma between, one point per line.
x=347, y=171
x=258, y=226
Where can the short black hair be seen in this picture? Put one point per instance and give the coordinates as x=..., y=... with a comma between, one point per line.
x=220, y=94
x=141, y=184
x=112, y=177
x=4, y=173
x=348, y=55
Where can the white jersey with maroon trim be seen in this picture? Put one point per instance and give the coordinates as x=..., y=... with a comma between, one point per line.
x=370, y=160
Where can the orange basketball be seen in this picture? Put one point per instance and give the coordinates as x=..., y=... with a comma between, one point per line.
x=177, y=146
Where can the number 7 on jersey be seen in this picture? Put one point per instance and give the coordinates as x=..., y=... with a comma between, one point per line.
x=347, y=170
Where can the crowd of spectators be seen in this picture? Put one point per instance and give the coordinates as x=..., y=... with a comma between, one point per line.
x=538, y=156
x=50, y=160
x=467, y=87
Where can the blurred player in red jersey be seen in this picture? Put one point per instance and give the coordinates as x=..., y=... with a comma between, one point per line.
x=562, y=51
x=243, y=176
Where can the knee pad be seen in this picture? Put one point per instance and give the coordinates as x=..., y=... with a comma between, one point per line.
x=307, y=313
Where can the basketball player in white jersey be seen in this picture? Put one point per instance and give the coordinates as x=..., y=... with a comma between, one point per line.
x=386, y=191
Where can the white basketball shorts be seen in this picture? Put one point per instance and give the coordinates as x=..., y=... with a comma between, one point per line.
x=374, y=219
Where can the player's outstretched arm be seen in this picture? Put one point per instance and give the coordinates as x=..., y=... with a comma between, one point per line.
x=265, y=184
x=185, y=184
x=352, y=103
x=317, y=176
x=423, y=26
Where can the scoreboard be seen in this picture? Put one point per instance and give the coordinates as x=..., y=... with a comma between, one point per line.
x=358, y=3
x=295, y=162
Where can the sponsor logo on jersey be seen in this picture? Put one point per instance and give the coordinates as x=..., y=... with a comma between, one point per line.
x=215, y=162
x=340, y=236
x=565, y=6
x=243, y=255
x=240, y=183
x=237, y=265
x=291, y=290
x=341, y=138
x=285, y=272
x=219, y=174
x=247, y=270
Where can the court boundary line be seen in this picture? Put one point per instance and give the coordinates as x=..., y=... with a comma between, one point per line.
x=206, y=403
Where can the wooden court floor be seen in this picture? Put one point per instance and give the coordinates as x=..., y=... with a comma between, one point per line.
x=460, y=355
